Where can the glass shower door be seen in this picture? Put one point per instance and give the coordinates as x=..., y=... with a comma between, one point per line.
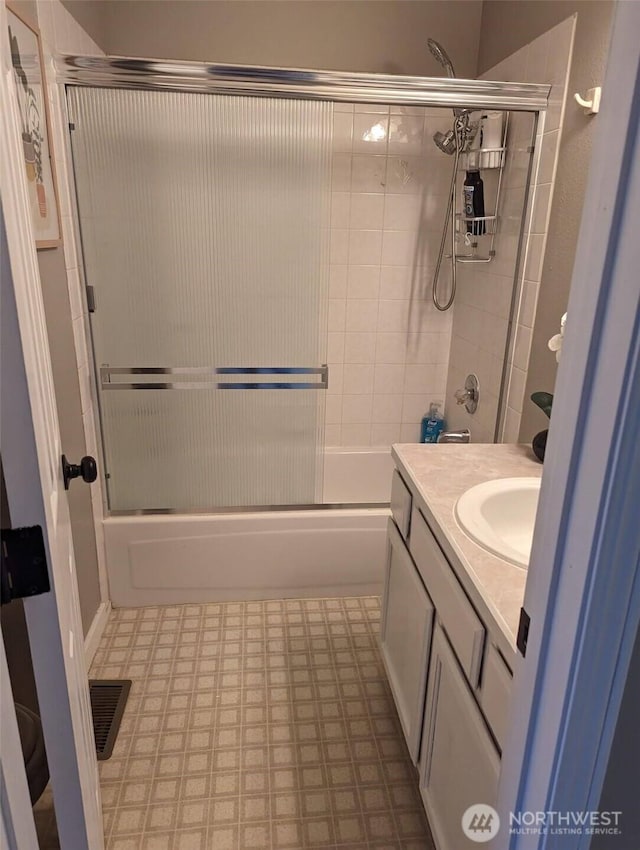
x=205, y=224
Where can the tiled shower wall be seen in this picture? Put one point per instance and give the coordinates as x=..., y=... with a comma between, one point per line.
x=481, y=311
x=388, y=346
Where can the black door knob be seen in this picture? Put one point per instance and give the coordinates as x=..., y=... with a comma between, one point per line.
x=87, y=469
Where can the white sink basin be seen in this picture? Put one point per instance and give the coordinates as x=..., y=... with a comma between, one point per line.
x=499, y=515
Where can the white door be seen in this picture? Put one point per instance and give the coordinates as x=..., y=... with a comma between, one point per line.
x=31, y=454
x=16, y=820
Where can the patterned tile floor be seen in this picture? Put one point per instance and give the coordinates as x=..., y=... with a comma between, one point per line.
x=256, y=725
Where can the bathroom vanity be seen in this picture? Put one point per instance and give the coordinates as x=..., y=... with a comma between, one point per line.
x=449, y=623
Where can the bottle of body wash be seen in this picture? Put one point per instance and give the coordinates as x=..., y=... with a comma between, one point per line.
x=432, y=424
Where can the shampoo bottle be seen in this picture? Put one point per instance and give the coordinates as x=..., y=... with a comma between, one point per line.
x=474, y=202
x=432, y=424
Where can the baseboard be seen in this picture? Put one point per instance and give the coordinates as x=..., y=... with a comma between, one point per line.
x=92, y=640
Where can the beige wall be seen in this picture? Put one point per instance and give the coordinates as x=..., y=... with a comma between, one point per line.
x=361, y=35
x=507, y=25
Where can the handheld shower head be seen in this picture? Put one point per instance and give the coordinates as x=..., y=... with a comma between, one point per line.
x=445, y=141
x=441, y=55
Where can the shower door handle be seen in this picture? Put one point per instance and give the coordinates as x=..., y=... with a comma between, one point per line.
x=207, y=377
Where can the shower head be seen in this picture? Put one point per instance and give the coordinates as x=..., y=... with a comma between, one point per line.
x=445, y=141
x=441, y=55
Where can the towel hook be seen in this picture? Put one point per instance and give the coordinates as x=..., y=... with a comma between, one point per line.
x=590, y=103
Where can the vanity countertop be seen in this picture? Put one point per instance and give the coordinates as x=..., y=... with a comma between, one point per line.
x=438, y=475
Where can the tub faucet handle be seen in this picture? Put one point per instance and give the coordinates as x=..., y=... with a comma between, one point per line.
x=470, y=395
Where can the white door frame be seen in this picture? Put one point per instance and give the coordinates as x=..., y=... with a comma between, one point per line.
x=583, y=587
x=16, y=814
x=33, y=476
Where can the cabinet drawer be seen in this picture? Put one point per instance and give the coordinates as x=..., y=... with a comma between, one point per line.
x=496, y=693
x=400, y=503
x=461, y=623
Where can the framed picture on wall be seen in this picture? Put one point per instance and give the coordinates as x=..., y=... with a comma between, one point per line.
x=26, y=55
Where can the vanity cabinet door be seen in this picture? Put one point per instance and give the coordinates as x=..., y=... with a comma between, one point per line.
x=405, y=637
x=459, y=764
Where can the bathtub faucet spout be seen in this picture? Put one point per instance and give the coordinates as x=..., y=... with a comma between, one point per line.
x=462, y=436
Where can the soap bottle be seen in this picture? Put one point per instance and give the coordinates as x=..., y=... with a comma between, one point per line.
x=432, y=424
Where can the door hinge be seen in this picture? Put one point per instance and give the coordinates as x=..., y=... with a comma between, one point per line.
x=523, y=632
x=91, y=299
x=23, y=563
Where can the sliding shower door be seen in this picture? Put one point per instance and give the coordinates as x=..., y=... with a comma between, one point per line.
x=205, y=224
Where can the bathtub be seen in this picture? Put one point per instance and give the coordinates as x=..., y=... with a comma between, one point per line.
x=337, y=551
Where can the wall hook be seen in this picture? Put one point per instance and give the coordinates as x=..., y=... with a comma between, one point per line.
x=591, y=102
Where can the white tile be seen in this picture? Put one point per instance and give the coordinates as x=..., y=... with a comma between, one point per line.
x=338, y=281
x=339, y=247
x=363, y=281
x=398, y=247
x=365, y=247
x=535, y=257
x=342, y=131
x=427, y=348
x=332, y=435
x=356, y=409
x=333, y=409
x=393, y=316
x=359, y=347
x=335, y=347
x=373, y=108
x=401, y=212
x=553, y=118
x=511, y=433
x=414, y=408
x=406, y=134
x=367, y=210
x=368, y=173
x=395, y=282
x=358, y=379
x=341, y=172
x=355, y=435
x=422, y=378
x=387, y=409
x=336, y=378
x=546, y=169
x=342, y=107
x=522, y=347
x=385, y=435
x=517, y=382
x=370, y=133
x=410, y=433
x=405, y=174
x=337, y=314
x=536, y=66
x=528, y=303
x=391, y=348
x=541, y=208
x=362, y=315
x=388, y=378
x=340, y=206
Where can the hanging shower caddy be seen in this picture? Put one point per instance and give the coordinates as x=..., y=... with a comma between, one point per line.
x=482, y=159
